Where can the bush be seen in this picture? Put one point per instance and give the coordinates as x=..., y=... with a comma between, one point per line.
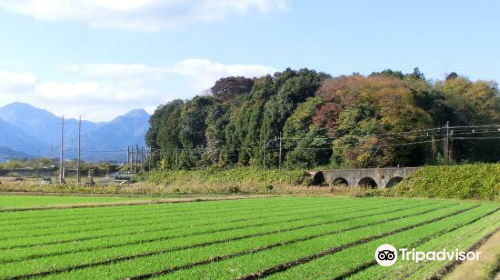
x=234, y=189
x=238, y=176
x=269, y=188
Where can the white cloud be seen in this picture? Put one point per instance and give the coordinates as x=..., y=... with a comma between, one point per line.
x=205, y=73
x=115, y=71
x=95, y=100
x=13, y=82
x=147, y=15
x=104, y=91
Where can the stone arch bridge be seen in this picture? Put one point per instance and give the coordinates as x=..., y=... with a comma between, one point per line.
x=372, y=177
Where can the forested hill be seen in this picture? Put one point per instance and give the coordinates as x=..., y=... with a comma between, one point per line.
x=384, y=119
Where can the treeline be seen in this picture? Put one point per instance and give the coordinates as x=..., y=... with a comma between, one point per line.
x=341, y=122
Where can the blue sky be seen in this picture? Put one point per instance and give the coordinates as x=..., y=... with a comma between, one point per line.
x=101, y=58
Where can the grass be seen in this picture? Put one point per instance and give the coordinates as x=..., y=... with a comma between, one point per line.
x=468, y=181
x=274, y=238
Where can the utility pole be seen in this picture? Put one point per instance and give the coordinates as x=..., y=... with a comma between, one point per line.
x=128, y=158
x=78, y=177
x=132, y=159
x=136, y=157
x=61, y=159
x=140, y=158
x=279, y=163
x=149, y=159
x=143, y=156
x=264, y=155
x=38, y=161
x=447, y=144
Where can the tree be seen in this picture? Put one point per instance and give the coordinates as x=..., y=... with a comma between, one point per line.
x=473, y=103
x=192, y=127
x=308, y=146
x=228, y=88
x=345, y=121
x=168, y=134
x=363, y=108
x=216, y=121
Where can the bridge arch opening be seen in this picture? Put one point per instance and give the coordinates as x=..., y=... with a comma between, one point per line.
x=367, y=182
x=394, y=181
x=318, y=179
x=340, y=182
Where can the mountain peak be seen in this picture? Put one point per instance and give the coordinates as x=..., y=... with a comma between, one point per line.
x=137, y=113
x=18, y=110
x=19, y=105
x=23, y=126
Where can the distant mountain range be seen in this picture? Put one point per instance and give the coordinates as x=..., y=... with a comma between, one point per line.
x=26, y=131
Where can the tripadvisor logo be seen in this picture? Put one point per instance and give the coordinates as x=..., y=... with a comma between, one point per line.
x=387, y=255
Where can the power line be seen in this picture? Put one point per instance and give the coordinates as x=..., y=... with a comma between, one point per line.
x=475, y=138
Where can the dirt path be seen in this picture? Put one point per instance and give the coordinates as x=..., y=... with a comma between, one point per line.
x=487, y=266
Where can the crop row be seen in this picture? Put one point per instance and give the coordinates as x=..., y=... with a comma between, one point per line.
x=462, y=241
x=131, y=211
x=10, y=202
x=457, y=239
x=286, y=257
x=359, y=258
x=145, y=258
x=15, y=218
x=122, y=220
x=121, y=238
x=165, y=223
x=139, y=250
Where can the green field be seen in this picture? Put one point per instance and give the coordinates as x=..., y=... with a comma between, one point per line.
x=38, y=201
x=273, y=238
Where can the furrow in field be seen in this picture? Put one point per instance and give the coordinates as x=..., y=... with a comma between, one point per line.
x=15, y=256
x=431, y=270
x=467, y=234
x=113, y=204
x=288, y=265
x=75, y=212
x=222, y=267
x=414, y=244
x=103, y=259
x=70, y=220
x=60, y=215
x=124, y=221
x=142, y=227
x=196, y=256
x=234, y=251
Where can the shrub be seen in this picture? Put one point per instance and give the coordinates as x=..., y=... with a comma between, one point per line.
x=234, y=189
